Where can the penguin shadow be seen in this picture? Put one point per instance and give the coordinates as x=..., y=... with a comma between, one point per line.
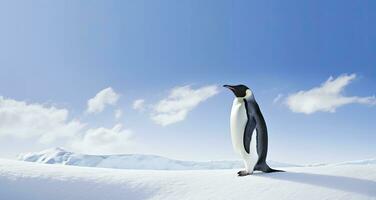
x=347, y=184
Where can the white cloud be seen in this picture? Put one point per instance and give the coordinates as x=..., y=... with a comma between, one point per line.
x=180, y=102
x=51, y=126
x=139, y=104
x=118, y=114
x=327, y=97
x=103, y=98
x=19, y=119
x=104, y=141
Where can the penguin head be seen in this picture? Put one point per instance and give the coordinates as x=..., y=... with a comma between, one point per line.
x=240, y=91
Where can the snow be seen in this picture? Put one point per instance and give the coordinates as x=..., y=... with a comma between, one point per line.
x=355, y=162
x=21, y=180
x=129, y=161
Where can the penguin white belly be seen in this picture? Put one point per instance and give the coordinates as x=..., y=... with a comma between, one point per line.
x=238, y=122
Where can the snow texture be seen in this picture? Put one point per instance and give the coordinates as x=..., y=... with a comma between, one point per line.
x=129, y=161
x=21, y=180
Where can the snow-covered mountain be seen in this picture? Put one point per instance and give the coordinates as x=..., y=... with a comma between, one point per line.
x=27, y=181
x=129, y=161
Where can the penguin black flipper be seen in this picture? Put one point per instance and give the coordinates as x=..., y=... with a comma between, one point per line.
x=248, y=131
x=262, y=141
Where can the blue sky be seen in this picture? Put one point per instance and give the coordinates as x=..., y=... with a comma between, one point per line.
x=61, y=54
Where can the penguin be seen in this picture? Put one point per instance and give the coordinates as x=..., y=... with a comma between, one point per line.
x=249, y=133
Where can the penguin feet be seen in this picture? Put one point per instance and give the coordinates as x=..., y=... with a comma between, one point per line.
x=243, y=173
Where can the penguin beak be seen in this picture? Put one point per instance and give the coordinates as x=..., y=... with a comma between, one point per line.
x=229, y=87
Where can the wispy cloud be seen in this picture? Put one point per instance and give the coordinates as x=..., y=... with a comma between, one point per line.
x=180, y=101
x=327, y=97
x=277, y=98
x=139, y=104
x=103, y=98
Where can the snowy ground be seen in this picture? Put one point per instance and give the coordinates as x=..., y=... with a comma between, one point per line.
x=21, y=180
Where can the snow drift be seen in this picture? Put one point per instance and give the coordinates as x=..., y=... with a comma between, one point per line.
x=29, y=181
x=129, y=161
